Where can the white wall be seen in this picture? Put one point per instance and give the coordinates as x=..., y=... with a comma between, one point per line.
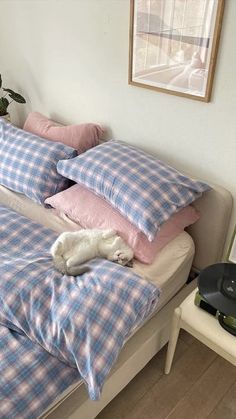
x=70, y=60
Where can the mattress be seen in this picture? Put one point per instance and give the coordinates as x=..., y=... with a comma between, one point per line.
x=167, y=270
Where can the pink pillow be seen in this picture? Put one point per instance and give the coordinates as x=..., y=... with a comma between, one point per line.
x=81, y=137
x=91, y=211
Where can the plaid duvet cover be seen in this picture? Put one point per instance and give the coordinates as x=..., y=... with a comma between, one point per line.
x=63, y=327
x=30, y=378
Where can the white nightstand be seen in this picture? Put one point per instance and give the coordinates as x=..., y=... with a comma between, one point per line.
x=202, y=326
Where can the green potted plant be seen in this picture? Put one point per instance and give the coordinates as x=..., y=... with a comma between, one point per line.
x=6, y=98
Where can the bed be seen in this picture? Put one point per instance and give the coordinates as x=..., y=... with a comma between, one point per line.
x=202, y=245
x=58, y=391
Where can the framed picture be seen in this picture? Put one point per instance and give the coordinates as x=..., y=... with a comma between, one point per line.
x=231, y=257
x=173, y=45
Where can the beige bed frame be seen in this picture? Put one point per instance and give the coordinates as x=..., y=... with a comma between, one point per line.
x=209, y=235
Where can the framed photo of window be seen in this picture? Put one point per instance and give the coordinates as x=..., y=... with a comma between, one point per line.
x=231, y=257
x=173, y=45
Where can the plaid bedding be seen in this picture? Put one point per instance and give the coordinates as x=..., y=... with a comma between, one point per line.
x=65, y=327
x=28, y=163
x=30, y=378
x=144, y=189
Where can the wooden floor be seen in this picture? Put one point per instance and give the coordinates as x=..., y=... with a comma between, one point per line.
x=200, y=385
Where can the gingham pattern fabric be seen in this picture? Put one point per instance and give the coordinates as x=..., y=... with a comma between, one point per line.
x=142, y=188
x=82, y=321
x=30, y=378
x=28, y=163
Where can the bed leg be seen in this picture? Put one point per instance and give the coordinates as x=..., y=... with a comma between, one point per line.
x=174, y=333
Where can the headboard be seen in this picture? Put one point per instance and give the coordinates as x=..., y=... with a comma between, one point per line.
x=209, y=233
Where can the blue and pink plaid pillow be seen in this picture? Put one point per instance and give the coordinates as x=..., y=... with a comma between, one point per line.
x=28, y=163
x=142, y=188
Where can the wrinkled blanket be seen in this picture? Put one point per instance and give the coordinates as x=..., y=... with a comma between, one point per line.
x=30, y=378
x=82, y=321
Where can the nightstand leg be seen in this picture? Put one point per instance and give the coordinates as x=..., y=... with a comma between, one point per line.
x=174, y=333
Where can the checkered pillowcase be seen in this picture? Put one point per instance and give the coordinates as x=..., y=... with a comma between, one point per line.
x=28, y=163
x=145, y=190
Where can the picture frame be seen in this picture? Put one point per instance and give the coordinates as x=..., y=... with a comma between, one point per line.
x=174, y=44
x=231, y=256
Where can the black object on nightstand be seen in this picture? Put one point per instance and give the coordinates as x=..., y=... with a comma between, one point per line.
x=217, y=293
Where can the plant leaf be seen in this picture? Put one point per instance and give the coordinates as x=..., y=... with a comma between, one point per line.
x=5, y=101
x=15, y=96
x=0, y=81
x=3, y=106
